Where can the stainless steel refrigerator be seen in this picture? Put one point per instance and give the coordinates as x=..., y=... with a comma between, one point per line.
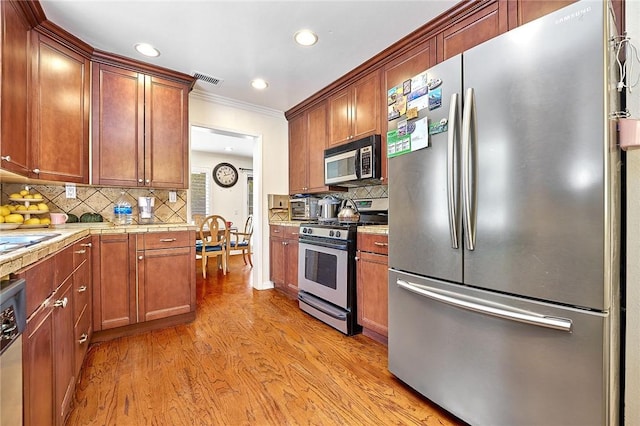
x=504, y=231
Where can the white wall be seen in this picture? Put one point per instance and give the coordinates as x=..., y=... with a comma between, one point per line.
x=270, y=160
x=632, y=373
x=226, y=202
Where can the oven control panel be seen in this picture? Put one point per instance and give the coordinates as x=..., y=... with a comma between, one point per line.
x=325, y=232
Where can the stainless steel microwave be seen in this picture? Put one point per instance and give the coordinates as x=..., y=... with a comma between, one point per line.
x=353, y=163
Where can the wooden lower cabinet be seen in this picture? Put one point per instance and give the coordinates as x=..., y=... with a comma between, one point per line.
x=51, y=359
x=143, y=277
x=283, y=255
x=372, y=285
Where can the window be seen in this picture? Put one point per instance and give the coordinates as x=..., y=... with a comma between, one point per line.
x=249, y=194
x=200, y=193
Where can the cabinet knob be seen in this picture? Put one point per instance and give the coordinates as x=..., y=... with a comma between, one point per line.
x=140, y=257
x=82, y=289
x=83, y=338
x=61, y=303
x=284, y=243
x=86, y=245
x=147, y=181
x=83, y=251
x=356, y=258
x=36, y=171
x=6, y=158
x=140, y=180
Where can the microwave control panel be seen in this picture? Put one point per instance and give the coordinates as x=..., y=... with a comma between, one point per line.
x=366, y=159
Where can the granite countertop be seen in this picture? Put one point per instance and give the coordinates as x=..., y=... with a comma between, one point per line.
x=69, y=234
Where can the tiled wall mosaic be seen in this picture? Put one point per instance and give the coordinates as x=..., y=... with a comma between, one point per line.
x=95, y=199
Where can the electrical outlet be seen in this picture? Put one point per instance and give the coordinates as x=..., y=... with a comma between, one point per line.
x=173, y=197
x=70, y=190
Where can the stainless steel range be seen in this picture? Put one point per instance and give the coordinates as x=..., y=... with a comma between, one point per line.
x=327, y=267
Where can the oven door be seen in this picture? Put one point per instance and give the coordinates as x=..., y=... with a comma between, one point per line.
x=342, y=167
x=323, y=271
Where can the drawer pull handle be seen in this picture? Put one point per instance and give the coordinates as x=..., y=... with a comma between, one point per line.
x=276, y=231
x=6, y=158
x=36, y=171
x=167, y=240
x=86, y=245
x=82, y=289
x=378, y=243
x=83, y=338
x=83, y=251
x=61, y=303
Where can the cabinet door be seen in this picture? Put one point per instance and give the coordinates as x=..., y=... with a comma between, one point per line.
x=480, y=26
x=365, y=111
x=166, y=134
x=37, y=353
x=529, y=10
x=115, y=298
x=162, y=274
x=373, y=295
x=118, y=126
x=276, y=255
x=316, y=144
x=64, y=348
x=298, y=154
x=291, y=267
x=60, y=112
x=14, y=89
x=340, y=117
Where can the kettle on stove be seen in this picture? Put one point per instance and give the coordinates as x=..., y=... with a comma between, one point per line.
x=348, y=214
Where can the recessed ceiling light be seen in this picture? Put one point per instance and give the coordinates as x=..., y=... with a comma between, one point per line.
x=305, y=37
x=259, y=84
x=147, y=50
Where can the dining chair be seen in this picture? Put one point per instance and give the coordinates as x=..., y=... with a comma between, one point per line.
x=214, y=242
x=242, y=240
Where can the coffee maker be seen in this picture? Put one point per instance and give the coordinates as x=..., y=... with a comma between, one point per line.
x=145, y=209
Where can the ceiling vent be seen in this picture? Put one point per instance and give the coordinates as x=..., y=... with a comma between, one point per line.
x=208, y=79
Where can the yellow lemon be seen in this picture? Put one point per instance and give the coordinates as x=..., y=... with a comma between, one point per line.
x=14, y=218
x=43, y=206
x=32, y=221
x=28, y=197
x=33, y=207
x=21, y=208
x=4, y=211
x=1, y=219
x=37, y=196
x=11, y=208
x=15, y=195
x=24, y=192
x=45, y=221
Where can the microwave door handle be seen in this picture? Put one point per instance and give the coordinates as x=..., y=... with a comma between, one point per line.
x=357, y=164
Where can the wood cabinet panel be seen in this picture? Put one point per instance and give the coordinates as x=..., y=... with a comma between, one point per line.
x=15, y=89
x=374, y=243
x=82, y=337
x=166, y=134
x=316, y=143
x=115, y=299
x=60, y=112
x=340, y=121
x=298, y=155
x=118, y=125
x=40, y=278
x=283, y=257
x=480, y=26
x=160, y=240
x=530, y=10
x=373, y=294
x=140, y=135
x=38, y=369
x=63, y=355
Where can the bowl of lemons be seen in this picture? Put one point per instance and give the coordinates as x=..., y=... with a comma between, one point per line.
x=26, y=213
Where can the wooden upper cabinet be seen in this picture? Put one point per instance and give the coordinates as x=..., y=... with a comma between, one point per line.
x=59, y=112
x=469, y=31
x=307, y=141
x=354, y=112
x=140, y=129
x=15, y=89
x=528, y=10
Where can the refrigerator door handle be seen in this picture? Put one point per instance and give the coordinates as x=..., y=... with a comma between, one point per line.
x=562, y=324
x=453, y=197
x=468, y=168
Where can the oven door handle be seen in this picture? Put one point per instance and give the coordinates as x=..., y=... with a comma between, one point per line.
x=317, y=243
x=339, y=315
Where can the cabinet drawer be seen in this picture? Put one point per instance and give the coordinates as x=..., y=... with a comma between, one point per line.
x=159, y=240
x=39, y=279
x=64, y=265
x=291, y=232
x=81, y=290
x=82, y=335
x=276, y=231
x=374, y=243
x=81, y=252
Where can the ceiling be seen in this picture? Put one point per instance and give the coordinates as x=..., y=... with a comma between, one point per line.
x=237, y=41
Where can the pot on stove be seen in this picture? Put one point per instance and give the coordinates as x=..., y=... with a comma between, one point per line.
x=348, y=214
x=329, y=207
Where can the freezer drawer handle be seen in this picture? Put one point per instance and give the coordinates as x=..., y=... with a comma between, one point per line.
x=561, y=324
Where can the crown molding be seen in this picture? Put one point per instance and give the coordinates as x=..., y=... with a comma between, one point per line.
x=221, y=100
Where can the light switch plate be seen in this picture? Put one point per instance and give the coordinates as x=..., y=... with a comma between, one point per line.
x=70, y=190
x=173, y=197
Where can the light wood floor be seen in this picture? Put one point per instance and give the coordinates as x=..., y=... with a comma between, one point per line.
x=250, y=358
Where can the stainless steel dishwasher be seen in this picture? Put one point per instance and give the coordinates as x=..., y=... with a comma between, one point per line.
x=13, y=322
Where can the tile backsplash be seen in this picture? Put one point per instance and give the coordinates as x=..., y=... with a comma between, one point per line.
x=97, y=199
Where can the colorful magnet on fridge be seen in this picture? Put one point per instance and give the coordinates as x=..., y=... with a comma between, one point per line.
x=435, y=98
x=433, y=83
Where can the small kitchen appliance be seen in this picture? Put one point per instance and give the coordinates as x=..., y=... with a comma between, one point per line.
x=329, y=207
x=353, y=163
x=145, y=209
x=304, y=208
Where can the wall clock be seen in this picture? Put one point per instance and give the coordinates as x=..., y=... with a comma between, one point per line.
x=225, y=175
